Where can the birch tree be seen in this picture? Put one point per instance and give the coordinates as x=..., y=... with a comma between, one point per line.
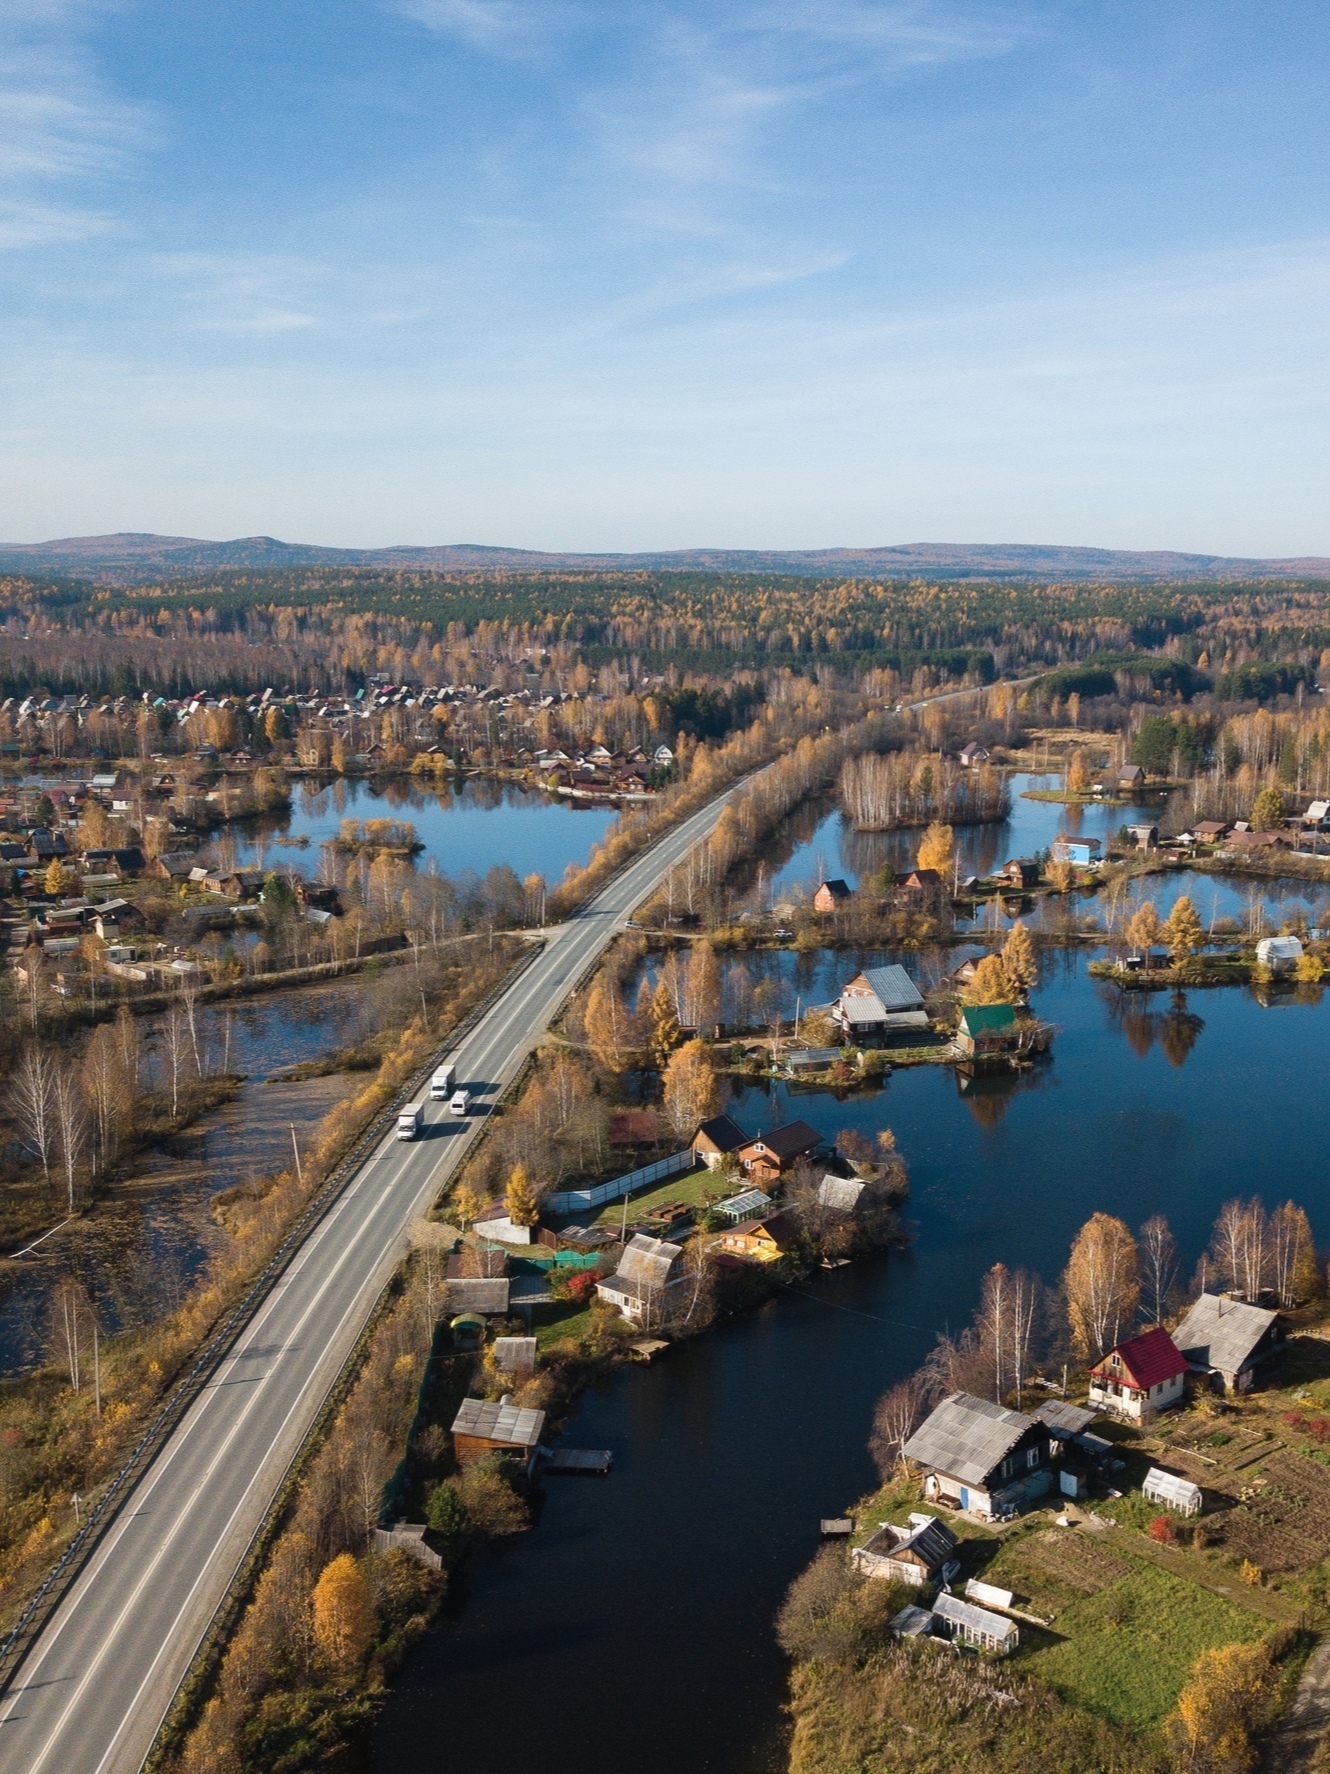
x=32, y=1104
x=1159, y=1269
x=1102, y=1285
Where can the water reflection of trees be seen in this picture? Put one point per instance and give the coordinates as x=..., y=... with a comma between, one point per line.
x=988, y=1095
x=1175, y=1030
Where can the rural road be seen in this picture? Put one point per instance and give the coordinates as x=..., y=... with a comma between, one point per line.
x=92, y=1691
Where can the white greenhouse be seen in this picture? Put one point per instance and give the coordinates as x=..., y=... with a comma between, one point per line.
x=1173, y=1492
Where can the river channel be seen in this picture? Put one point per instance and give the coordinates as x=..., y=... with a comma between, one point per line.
x=632, y=1627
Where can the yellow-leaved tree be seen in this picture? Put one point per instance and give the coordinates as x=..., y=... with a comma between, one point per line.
x=520, y=1201
x=936, y=848
x=1078, y=773
x=1102, y=1285
x=1184, y=932
x=1143, y=928
x=1018, y=960
x=691, y=1091
x=343, y=1615
x=990, y=984
x=1225, y=1702
x=664, y=1022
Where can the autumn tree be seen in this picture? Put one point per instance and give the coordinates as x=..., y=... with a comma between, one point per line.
x=702, y=989
x=612, y=1031
x=692, y=1094
x=1144, y=928
x=1159, y=1269
x=520, y=1201
x=1184, y=932
x=895, y=1419
x=1004, y=1328
x=1240, y=1247
x=465, y=1204
x=1078, y=773
x=1267, y=812
x=343, y=1615
x=1061, y=875
x=1226, y=1701
x=664, y=1022
x=1102, y=1285
x=1295, y=1274
x=1018, y=961
x=59, y=879
x=937, y=848
x=990, y=984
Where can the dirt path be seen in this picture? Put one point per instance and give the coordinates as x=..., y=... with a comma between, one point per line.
x=1306, y=1721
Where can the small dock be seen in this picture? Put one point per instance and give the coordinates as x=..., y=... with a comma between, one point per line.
x=579, y=1462
x=836, y=1526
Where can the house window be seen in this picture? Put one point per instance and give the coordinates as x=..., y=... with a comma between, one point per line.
x=1032, y=1457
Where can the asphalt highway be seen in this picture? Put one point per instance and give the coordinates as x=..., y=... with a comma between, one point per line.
x=94, y=1688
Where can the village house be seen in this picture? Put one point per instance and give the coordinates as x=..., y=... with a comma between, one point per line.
x=173, y=865
x=1144, y=837
x=1020, y=873
x=648, y=1271
x=987, y=1030
x=716, y=1139
x=239, y=884
x=972, y=754
x=840, y=1194
x=1210, y=831
x=1245, y=843
x=1139, y=1378
x=963, y=974
x=981, y=1457
x=761, y=1241
x=1082, y=853
x=765, y=1158
x=877, y=1002
x=831, y=895
x=481, y=1429
x=1229, y=1341
x=1131, y=777
x=917, y=1554
x=923, y=881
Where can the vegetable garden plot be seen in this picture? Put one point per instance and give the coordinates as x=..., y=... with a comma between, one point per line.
x=1285, y=1525
x=1073, y=1559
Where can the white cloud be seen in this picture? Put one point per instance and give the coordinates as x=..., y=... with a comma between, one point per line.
x=507, y=28
x=242, y=293
x=59, y=127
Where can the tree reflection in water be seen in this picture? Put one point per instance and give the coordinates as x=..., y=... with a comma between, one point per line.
x=988, y=1094
x=1176, y=1029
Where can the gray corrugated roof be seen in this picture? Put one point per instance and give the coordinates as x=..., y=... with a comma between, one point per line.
x=648, y=1261
x=508, y=1423
x=966, y=1437
x=1070, y=1418
x=934, y=1542
x=477, y=1296
x=894, y=988
x=1221, y=1333
x=840, y=1193
x=512, y=1353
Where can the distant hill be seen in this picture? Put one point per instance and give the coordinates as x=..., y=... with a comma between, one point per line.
x=135, y=558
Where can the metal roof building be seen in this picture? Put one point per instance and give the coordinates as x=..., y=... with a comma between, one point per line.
x=502, y=1425
x=967, y=1437
x=1226, y=1337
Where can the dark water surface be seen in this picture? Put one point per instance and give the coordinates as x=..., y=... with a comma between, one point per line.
x=632, y=1628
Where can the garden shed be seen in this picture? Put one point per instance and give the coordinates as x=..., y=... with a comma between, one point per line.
x=1173, y=1492
x=1280, y=954
x=976, y=1626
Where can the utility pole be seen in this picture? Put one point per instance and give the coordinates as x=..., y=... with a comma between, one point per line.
x=300, y=1177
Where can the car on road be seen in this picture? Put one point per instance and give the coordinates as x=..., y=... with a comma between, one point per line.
x=461, y=1102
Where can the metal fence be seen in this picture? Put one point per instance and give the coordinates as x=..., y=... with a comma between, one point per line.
x=583, y=1200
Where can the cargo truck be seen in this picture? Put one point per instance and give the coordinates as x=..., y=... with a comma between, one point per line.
x=442, y=1083
x=410, y=1121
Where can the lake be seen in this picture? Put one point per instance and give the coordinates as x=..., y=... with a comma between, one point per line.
x=145, y=1242
x=634, y=1623
x=471, y=824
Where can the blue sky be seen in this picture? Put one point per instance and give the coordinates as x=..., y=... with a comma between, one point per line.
x=602, y=274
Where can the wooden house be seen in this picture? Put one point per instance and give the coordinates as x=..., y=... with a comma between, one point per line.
x=973, y=754
x=916, y=1554
x=481, y=1429
x=173, y=865
x=1131, y=777
x=986, y=1030
x=1139, y=1378
x=764, y=1159
x=648, y=1271
x=1020, y=873
x=716, y=1139
x=878, y=1002
x=981, y=1457
x=1144, y=837
x=1229, y=1341
x=761, y=1241
x=831, y=895
x=1245, y=843
x=922, y=881
x=1210, y=831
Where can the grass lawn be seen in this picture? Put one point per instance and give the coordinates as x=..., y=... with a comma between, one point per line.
x=559, y=1319
x=692, y=1186
x=1126, y=1652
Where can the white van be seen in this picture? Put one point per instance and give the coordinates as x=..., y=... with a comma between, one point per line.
x=410, y=1120
x=461, y=1102
x=441, y=1084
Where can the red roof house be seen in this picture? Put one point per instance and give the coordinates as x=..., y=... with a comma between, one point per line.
x=1140, y=1377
